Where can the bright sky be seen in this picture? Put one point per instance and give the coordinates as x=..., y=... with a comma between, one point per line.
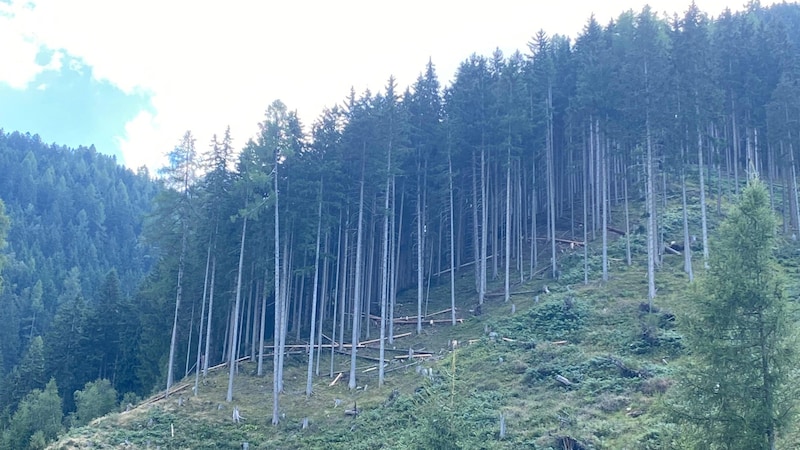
x=132, y=76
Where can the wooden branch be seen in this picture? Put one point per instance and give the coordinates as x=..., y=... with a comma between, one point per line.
x=336, y=380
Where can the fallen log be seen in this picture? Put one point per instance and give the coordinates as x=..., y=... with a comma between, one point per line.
x=415, y=355
x=370, y=358
x=672, y=250
x=336, y=380
x=500, y=294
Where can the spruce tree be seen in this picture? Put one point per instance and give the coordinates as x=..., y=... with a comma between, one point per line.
x=735, y=392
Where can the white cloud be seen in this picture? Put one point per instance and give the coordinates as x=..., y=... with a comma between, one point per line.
x=213, y=64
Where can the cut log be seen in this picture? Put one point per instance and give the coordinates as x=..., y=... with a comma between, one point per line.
x=563, y=380
x=615, y=230
x=415, y=355
x=336, y=380
x=672, y=250
x=559, y=342
x=369, y=358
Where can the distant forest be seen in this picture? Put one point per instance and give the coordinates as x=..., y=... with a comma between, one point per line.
x=296, y=236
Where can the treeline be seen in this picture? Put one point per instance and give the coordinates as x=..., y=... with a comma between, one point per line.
x=398, y=190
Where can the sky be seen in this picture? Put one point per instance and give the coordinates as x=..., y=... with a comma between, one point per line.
x=131, y=77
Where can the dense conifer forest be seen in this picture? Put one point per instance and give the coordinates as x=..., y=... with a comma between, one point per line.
x=529, y=166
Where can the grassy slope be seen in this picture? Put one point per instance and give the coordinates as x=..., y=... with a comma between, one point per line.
x=618, y=356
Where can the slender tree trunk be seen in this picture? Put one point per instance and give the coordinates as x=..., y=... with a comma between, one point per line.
x=627, y=216
x=235, y=329
x=178, y=294
x=452, y=240
x=210, y=311
x=336, y=303
x=199, y=360
x=357, y=287
x=420, y=251
x=323, y=300
x=484, y=226
x=604, y=188
x=687, y=245
x=508, y=227
x=312, y=332
x=703, y=214
x=651, y=217
x=276, y=369
x=189, y=343
x=551, y=184
x=263, y=324
x=385, y=282
x=587, y=167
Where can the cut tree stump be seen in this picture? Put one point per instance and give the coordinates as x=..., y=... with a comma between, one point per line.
x=563, y=380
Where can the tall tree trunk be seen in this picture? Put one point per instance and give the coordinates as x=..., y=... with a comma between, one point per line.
x=627, y=215
x=312, y=332
x=551, y=183
x=386, y=256
x=263, y=324
x=651, y=216
x=420, y=250
x=235, y=329
x=687, y=245
x=701, y=166
x=178, y=294
x=357, y=287
x=484, y=225
x=508, y=227
x=604, y=195
x=199, y=360
x=210, y=311
x=276, y=369
x=452, y=239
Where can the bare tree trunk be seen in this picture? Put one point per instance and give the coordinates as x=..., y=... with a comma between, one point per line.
x=604, y=188
x=651, y=217
x=210, y=311
x=551, y=186
x=703, y=214
x=323, y=300
x=627, y=216
x=198, y=362
x=484, y=225
x=452, y=241
x=385, y=283
x=508, y=228
x=235, y=329
x=263, y=325
x=357, y=285
x=178, y=294
x=586, y=171
x=276, y=369
x=312, y=332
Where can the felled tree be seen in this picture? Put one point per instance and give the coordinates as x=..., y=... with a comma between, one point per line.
x=735, y=392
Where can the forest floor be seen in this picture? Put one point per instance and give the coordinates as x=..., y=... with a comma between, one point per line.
x=561, y=365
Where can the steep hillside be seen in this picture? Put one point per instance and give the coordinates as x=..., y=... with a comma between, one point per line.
x=562, y=365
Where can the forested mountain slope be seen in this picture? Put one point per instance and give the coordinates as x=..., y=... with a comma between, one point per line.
x=74, y=243
x=526, y=169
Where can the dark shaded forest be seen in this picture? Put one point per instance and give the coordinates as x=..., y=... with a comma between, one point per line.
x=299, y=236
